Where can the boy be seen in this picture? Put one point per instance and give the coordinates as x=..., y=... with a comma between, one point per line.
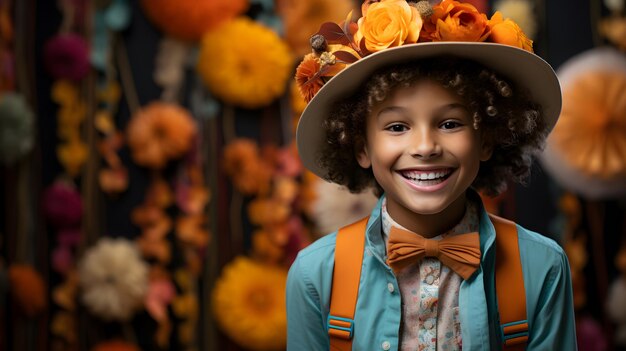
x=427, y=122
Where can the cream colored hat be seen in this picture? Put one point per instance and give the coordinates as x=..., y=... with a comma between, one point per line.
x=525, y=69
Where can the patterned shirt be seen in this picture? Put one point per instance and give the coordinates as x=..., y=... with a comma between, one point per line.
x=430, y=294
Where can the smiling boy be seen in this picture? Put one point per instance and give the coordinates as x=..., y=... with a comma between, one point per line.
x=428, y=124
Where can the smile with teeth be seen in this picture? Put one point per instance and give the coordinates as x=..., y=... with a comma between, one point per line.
x=426, y=177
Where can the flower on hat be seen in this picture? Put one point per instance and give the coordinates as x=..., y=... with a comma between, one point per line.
x=388, y=23
x=244, y=63
x=505, y=31
x=455, y=21
x=391, y=23
x=249, y=304
x=114, y=279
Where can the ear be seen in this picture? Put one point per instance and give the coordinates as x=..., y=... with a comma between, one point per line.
x=363, y=158
x=486, y=150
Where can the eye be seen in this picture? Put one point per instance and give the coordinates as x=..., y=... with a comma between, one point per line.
x=397, y=128
x=448, y=125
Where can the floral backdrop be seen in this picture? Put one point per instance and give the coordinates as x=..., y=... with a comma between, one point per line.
x=152, y=194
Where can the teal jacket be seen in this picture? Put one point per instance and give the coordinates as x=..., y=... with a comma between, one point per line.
x=547, y=280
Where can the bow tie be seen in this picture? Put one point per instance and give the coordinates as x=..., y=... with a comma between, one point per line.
x=461, y=253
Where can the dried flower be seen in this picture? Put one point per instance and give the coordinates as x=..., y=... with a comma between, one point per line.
x=16, y=128
x=62, y=205
x=66, y=56
x=249, y=304
x=113, y=278
x=28, y=289
x=250, y=71
x=242, y=162
x=160, y=132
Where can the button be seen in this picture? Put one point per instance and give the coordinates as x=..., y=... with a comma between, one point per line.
x=429, y=324
x=430, y=279
x=386, y=345
x=390, y=287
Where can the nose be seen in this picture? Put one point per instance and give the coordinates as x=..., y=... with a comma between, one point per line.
x=425, y=145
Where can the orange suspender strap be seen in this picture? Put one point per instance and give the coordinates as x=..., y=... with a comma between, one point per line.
x=345, y=288
x=510, y=286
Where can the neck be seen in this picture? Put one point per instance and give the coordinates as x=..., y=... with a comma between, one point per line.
x=429, y=225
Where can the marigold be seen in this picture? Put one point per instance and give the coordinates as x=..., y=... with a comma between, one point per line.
x=388, y=23
x=244, y=63
x=268, y=211
x=160, y=132
x=249, y=304
x=27, y=289
x=455, y=21
x=508, y=32
x=242, y=161
x=190, y=19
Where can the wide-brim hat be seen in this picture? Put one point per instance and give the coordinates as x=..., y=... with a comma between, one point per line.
x=523, y=68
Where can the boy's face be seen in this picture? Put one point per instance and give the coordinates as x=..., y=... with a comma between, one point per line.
x=423, y=149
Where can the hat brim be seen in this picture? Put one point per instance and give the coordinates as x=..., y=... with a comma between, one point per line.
x=523, y=68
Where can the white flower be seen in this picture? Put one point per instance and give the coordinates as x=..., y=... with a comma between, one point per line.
x=616, y=309
x=113, y=278
x=336, y=207
x=616, y=6
x=521, y=12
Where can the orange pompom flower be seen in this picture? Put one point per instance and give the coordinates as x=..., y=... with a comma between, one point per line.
x=159, y=133
x=27, y=289
x=115, y=345
x=268, y=211
x=506, y=31
x=455, y=21
x=190, y=19
x=242, y=162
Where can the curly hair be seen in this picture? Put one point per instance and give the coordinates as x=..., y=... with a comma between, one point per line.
x=507, y=118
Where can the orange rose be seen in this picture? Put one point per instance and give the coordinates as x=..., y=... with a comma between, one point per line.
x=455, y=21
x=388, y=23
x=508, y=32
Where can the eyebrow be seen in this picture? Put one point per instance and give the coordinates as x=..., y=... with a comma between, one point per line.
x=440, y=110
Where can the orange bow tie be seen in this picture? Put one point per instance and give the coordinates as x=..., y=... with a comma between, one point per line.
x=461, y=253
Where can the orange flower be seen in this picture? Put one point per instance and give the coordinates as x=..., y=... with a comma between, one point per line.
x=157, y=249
x=455, y=21
x=191, y=230
x=266, y=249
x=308, y=79
x=115, y=345
x=388, y=23
x=251, y=175
x=268, y=211
x=190, y=19
x=113, y=180
x=285, y=189
x=508, y=32
x=160, y=193
x=159, y=133
x=27, y=289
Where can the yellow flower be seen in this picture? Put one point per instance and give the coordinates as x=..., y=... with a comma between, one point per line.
x=249, y=304
x=389, y=23
x=508, y=32
x=244, y=63
x=72, y=156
